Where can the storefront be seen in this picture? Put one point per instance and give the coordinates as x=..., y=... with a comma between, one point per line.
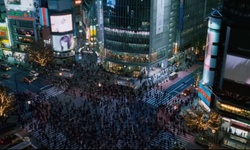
x=239, y=134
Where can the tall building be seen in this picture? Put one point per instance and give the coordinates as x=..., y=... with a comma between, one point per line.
x=22, y=21
x=137, y=35
x=226, y=80
x=192, y=21
x=140, y=36
x=4, y=31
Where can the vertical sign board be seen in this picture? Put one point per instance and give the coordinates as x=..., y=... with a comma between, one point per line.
x=204, y=94
x=159, y=16
x=44, y=17
x=212, y=43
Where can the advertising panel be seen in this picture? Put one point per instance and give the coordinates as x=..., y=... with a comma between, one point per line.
x=22, y=15
x=159, y=16
x=204, y=94
x=237, y=69
x=239, y=44
x=111, y=3
x=63, y=42
x=13, y=2
x=20, y=4
x=44, y=17
x=62, y=23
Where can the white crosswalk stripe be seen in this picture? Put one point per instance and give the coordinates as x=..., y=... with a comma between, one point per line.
x=53, y=91
x=165, y=140
x=185, y=139
x=56, y=140
x=156, y=102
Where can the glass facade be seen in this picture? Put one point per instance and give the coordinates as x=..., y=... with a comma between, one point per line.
x=135, y=35
x=194, y=24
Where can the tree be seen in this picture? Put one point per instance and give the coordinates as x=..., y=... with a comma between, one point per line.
x=202, y=121
x=6, y=102
x=40, y=53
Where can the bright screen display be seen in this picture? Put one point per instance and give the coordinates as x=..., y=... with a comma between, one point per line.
x=63, y=42
x=14, y=2
x=237, y=69
x=111, y=3
x=61, y=23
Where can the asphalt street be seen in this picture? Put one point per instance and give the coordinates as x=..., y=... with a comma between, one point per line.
x=16, y=83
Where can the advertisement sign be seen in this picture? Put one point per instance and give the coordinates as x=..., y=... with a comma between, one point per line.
x=13, y=2
x=62, y=23
x=159, y=16
x=20, y=4
x=63, y=42
x=237, y=69
x=111, y=3
x=204, y=94
x=44, y=17
x=239, y=44
x=18, y=14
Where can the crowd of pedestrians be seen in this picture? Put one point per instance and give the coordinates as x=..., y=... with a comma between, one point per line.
x=110, y=116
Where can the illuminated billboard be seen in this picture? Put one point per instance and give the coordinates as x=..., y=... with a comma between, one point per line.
x=204, y=94
x=237, y=69
x=63, y=42
x=21, y=4
x=111, y=3
x=239, y=44
x=62, y=23
x=13, y=2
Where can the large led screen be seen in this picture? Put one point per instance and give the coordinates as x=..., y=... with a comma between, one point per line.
x=63, y=42
x=62, y=23
x=237, y=69
x=239, y=41
x=111, y=3
x=13, y=2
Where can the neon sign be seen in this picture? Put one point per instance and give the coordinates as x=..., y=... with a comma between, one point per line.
x=17, y=14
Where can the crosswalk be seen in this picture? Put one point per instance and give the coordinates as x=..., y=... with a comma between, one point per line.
x=156, y=102
x=53, y=91
x=165, y=140
x=53, y=139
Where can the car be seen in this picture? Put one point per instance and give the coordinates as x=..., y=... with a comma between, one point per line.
x=29, y=79
x=186, y=92
x=5, y=67
x=34, y=73
x=5, y=76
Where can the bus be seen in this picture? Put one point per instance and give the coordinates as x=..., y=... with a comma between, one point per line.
x=173, y=75
x=23, y=146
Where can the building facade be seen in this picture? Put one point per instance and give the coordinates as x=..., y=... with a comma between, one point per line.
x=226, y=80
x=22, y=21
x=192, y=24
x=136, y=36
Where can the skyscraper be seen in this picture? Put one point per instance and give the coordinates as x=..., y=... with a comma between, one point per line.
x=136, y=35
x=141, y=35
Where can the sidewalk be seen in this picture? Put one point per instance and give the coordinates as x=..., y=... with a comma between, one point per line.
x=181, y=74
